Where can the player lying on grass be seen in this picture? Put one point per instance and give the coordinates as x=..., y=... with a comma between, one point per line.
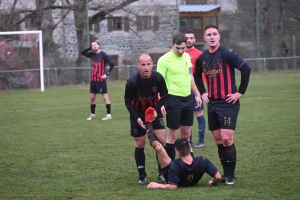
x=184, y=171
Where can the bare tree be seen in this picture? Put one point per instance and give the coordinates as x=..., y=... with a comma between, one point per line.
x=102, y=9
x=39, y=14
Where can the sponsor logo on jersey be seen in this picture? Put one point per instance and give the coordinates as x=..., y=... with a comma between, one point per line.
x=213, y=72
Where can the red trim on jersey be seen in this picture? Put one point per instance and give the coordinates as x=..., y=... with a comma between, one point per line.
x=215, y=89
x=241, y=65
x=229, y=83
x=222, y=83
x=209, y=88
x=144, y=102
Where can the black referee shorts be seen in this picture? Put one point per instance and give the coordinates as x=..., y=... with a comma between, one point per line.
x=179, y=111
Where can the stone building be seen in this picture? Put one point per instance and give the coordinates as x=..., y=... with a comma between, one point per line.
x=142, y=27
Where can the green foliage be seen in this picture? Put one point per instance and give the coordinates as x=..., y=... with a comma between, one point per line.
x=49, y=151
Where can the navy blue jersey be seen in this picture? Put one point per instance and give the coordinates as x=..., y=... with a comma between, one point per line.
x=219, y=70
x=182, y=174
x=98, y=64
x=143, y=93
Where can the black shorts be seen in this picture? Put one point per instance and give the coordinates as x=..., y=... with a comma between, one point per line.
x=179, y=111
x=98, y=87
x=137, y=131
x=222, y=115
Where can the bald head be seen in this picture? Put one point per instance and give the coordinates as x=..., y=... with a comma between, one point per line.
x=143, y=57
x=145, y=65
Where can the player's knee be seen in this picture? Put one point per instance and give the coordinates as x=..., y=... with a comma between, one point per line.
x=171, y=140
x=227, y=141
x=140, y=143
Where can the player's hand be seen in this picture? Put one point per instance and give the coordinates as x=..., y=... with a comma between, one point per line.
x=163, y=110
x=205, y=97
x=141, y=123
x=198, y=101
x=104, y=77
x=152, y=185
x=209, y=182
x=233, y=97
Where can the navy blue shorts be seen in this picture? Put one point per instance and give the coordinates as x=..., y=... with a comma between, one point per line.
x=98, y=87
x=222, y=115
x=194, y=103
x=179, y=111
x=137, y=131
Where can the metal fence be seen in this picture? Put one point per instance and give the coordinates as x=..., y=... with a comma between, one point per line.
x=30, y=78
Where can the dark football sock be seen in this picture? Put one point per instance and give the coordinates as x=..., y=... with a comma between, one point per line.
x=158, y=166
x=140, y=160
x=170, y=149
x=93, y=108
x=150, y=132
x=201, y=128
x=107, y=108
x=222, y=156
x=231, y=159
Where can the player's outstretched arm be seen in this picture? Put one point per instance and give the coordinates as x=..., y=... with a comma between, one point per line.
x=216, y=180
x=162, y=186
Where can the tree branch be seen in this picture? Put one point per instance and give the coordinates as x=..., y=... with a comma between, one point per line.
x=101, y=15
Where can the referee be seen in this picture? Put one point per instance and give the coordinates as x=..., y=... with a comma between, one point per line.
x=176, y=67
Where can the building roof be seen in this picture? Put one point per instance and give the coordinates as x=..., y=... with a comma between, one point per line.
x=198, y=8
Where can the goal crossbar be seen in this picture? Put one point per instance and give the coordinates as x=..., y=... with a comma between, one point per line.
x=39, y=32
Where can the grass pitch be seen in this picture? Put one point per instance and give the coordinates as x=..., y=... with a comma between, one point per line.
x=49, y=151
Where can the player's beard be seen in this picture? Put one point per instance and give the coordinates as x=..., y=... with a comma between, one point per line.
x=189, y=47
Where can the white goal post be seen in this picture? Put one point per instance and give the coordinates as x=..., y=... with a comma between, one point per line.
x=41, y=63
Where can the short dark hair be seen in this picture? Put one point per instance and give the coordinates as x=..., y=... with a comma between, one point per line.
x=93, y=42
x=179, y=38
x=210, y=26
x=182, y=145
x=189, y=31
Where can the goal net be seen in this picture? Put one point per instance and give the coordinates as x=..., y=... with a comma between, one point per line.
x=21, y=60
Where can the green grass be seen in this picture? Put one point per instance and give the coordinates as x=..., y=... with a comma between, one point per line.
x=49, y=151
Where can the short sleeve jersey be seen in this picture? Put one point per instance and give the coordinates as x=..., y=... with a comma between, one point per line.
x=219, y=70
x=177, y=72
x=182, y=174
x=144, y=93
x=194, y=54
x=98, y=64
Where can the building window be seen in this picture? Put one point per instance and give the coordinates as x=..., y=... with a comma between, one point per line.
x=211, y=21
x=191, y=23
x=147, y=23
x=117, y=23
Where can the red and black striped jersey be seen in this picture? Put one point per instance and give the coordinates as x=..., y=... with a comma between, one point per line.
x=143, y=93
x=219, y=69
x=98, y=64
